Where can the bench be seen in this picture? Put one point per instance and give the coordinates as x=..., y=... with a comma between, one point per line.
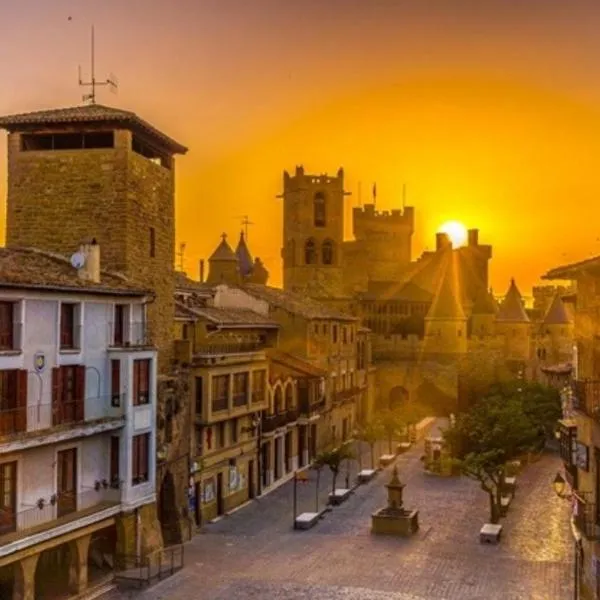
x=307, y=520
x=366, y=475
x=490, y=533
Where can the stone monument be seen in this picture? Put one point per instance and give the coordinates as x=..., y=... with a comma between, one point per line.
x=394, y=519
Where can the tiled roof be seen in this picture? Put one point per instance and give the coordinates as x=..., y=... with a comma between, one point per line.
x=91, y=113
x=227, y=317
x=295, y=363
x=512, y=309
x=571, y=271
x=557, y=313
x=29, y=268
x=223, y=252
x=185, y=284
x=295, y=303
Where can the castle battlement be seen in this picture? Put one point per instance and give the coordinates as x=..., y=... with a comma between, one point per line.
x=300, y=177
x=367, y=213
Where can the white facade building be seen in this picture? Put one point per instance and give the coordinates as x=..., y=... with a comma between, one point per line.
x=77, y=412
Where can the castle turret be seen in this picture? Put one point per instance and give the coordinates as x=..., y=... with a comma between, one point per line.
x=223, y=265
x=483, y=314
x=557, y=333
x=514, y=325
x=446, y=323
x=244, y=257
x=313, y=232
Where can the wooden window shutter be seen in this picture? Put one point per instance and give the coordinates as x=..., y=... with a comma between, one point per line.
x=79, y=392
x=56, y=395
x=21, y=416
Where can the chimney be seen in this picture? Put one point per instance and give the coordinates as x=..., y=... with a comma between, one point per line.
x=202, y=271
x=442, y=241
x=473, y=237
x=90, y=271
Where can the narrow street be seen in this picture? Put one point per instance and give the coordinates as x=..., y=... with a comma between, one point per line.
x=255, y=553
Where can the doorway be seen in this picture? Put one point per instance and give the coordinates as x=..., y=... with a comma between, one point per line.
x=198, y=504
x=220, y=508
x=251, y=491
x=277, y=458
x=66, y=485
x=301, y=444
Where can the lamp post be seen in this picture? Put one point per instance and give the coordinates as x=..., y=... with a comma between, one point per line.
x=561, y=489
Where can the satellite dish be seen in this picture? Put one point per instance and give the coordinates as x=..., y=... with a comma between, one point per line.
x=78, y=260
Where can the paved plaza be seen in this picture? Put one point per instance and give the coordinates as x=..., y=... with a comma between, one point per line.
x=255, y=554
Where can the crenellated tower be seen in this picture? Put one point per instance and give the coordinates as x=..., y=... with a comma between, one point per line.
x=313, y=232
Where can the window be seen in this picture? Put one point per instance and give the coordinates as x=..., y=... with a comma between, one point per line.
x=8, y=496
x=220, y=392
x=259, y=379
x=344, y=335
x=221, y=434
x=6, y=325
x=67, y=141
x=240, y=389
x=115, y=457
x=310, y=252
x=199, y=396
x=319, y=209
x=115, y=382
x=140, y=458
x=327, y=252
x=152, y=242
x=334, y=332
x=68, y=329
x=141, y=382
x=68, y=390
x=289, y=397
x=234, y=431
x=119, y=327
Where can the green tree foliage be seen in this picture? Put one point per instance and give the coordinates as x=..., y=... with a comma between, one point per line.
x=512, y=420
x=333, y=458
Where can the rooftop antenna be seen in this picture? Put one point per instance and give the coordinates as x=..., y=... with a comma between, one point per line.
x=374, y=194
x=180, y=255
x=403, y=196
x=245, y=222
x=359, y=193
x=93, y=83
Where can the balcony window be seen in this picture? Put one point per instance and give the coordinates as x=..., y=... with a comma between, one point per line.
x=140, y=459
x=259, y=380
x=7, y=325
x=141, y=382
x=240, y=389
x=220, y=393
x=13, y=401
x=69, y=329
x=334, y=330
x=68, y=389
x=8, y=497
x=115, y=457
x=115, y=382
x=199, y=396
x=119, y=325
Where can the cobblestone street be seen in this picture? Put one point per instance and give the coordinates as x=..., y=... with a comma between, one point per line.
x=254, y=553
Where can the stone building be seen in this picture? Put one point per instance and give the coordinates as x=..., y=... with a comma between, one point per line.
x=77, y=413
x=580, y=427
x=99, y=172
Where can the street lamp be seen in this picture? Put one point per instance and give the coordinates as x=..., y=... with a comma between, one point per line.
x=560, y=487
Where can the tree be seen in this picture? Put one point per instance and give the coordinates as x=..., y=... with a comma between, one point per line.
x=491, y=433
x=391, y=423
x=333, y=458
x=370, y=433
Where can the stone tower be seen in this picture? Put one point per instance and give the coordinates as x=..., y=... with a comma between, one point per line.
x=557, y=332
x=514, y=326
x=223, y=264
x=483, y=315
x=98, y=172
x=313, y=232
x=446, y=323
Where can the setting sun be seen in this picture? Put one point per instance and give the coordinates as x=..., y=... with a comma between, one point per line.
x=456, y=231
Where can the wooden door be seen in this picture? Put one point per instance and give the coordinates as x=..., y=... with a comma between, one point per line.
x=67, y=481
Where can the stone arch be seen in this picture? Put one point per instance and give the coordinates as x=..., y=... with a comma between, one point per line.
x=53, y=571
x=320, y=210
x=328, y=252
x=289, y=395
x=167, y=511
x=310, y=252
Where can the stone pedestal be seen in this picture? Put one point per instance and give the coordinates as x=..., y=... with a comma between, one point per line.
x=394, y=519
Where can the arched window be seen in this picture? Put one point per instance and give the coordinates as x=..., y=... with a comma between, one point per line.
x=277, y=401
x=327, y=252
x=289, y=396
x=319, y=206
x=310, y=252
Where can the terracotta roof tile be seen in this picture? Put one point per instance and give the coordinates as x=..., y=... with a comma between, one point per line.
x=91, y=113
x=512, y=309
x=36, y=269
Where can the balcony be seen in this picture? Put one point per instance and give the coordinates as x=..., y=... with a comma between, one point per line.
x=29, y=422
x=586, y=398
x=133, y=334
x=584, y=515
x=272, y=422
x=58, y=509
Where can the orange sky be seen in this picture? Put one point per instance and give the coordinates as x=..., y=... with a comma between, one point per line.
x=488, y=111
